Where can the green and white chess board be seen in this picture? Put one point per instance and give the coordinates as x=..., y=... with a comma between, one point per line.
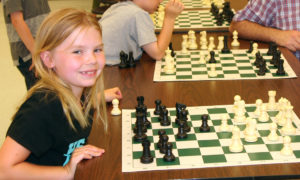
x=193, y=20
x=205, y=149
x=236, y=65
x=191, y=4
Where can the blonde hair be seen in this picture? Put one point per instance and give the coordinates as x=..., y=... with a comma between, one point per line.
x=54, y=30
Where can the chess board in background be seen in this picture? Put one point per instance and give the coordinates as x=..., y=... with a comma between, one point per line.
x=237, y=65
x=193, y=4
x=209, y=149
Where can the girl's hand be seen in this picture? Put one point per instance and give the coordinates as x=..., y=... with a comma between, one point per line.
x=84, y=152
x=113, y=93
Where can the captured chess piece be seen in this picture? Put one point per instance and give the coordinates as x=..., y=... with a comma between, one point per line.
x=115, y=111
x=131, y=62
x=123, y=58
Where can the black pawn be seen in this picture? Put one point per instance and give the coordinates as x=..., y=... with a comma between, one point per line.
x=271, y=48
x=204, y=127
x=164, y=141
x=219, y=19
x=131, y=62
x=250, y=47
x=169, y=156
x=140, y=100
x=173, y=54
x=140, y=135
x=181, y=132
x=280, y=70
x=123, y=58
x=165, y=121
x=258, y=58
x=262, y=68
x=145, y=120
x=212, y=57
x=160, y=133
x=157, y=107
x=225, y=48
x=184, y=113
x=146, y=157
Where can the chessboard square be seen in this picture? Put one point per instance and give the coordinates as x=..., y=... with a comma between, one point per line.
x=189, y=152
x=259, y=156
x=295, y=146
x=199, y=73
x=256, y=148
x=162, y=162
x=274, y=147
x=250, y=75
x=272, y=113
x=242, y=127
x=206, y=136
x=230, y=68
x=231, y=72
x=229, y=64
x=237, y=157
x=186, y=144
x=259, y=141
x=191, y=160
x=220, y=158
x=227, y=151
x=172, y=112
x=150, y=138
x=225, y=142
x=224, y=135
x=197, y=129
x=264, y=133
x=154, y=120
x=216, y=110
x=195, y=117
x=243, y=68
x=297, y=153
x=240, y=55
x=243, y=61
x=209, y=143
x=226, y=58
x=183, y=63
x=278, y=156
x=197, y=111
x=138, y=154
x=138, y=164
x=250, y=108
x=158, y=126
x=263, y=125
x=182, y=77
x=190, y=137
x=169, y=131
x=196, y=125
x=295, y=139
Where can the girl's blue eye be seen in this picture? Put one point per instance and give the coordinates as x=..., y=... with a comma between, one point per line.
x=77, y=52
x=98, y=50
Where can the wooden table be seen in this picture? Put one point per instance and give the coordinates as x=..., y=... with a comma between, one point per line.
x=139, y=81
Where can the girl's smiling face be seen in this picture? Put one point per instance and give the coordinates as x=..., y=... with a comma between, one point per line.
x=79, y=60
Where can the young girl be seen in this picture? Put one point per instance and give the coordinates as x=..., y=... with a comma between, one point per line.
x=47, y=137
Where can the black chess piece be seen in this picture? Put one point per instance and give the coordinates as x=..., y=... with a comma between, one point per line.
x=145, y=120
x=181, y=132
x=169, y=156
x=157, y=107
x=280, y=71
x=212, y=57
x=250, y=47
x=225, y=48
x=123, y=58
x=160, y=133
x=262, y=68
x=161, y=115
x=140, y=100
x=179, y=108
x=277, y=57
x=173, y=54
x=146, y=158
x=271, y=48
x=140, y=135
x=258, y=58
x=139, y=117
x=164, y=141
x=184, y=118
x=165, y=121
x=219, y=19
x=204, y=127
x=131, y=62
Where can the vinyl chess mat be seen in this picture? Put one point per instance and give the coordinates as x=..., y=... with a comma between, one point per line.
x=236, y=65
x=205, y=149
x=189, y=20
x=191, y=4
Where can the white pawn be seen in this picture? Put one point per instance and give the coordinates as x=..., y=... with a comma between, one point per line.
x=224, y=125
x=203, y=40
x=273, y=136
x=288, y=128
x=287, y=149
x=236, y=144
x=239, y=116
x=237, y=99
x=169, y=67
x=235, y=41
x=202, y=58
x=184, y=44
x=272, y=101
x=264, y=116
x=221, y=42
x=211, y=44
x=250, y=131
x=192, y=40
x=212, y=72
x=115, y=111
x=258, y=104
x=255, y=49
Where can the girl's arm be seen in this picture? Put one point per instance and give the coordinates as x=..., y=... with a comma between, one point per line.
x=13, y=165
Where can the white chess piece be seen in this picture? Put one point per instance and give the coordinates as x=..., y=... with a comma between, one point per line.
x=258, y=104
x=264, y=116
x=250, y=131
x=287, y=149
x=221, y=42
x=224, y=124
x=184, y=44
x=236, y=144
x=169, y=67
x=236, y=98
x=288, y=128
x=255, y=49
x=161, y=16
x=239, y=116
x=203, y=40
x=235, y=41
x=115, y=111
x=272, y=101
x=212, y=72
x=192, y=40
x=211, y=44
x=273, y=136
x=202, y=58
